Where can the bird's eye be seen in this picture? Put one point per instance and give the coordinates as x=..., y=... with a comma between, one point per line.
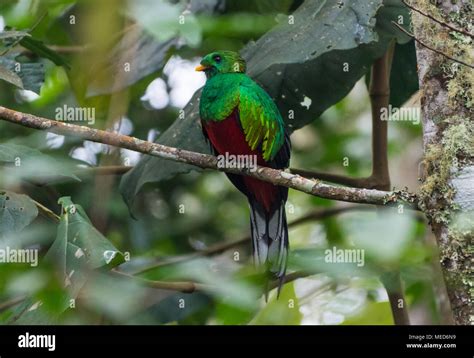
x=217, y=58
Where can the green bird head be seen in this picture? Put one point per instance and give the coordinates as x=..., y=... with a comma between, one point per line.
x=221, y=62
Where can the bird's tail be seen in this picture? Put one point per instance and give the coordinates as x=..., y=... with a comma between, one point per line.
x=270, y=238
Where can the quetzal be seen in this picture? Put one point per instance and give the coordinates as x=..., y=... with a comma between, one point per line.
x=240, y=118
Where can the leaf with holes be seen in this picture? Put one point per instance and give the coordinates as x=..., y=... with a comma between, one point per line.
x=31, y=73
x=16, y=212
x=79, y=247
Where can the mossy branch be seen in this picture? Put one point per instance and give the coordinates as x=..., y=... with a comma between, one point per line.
x=276, y=177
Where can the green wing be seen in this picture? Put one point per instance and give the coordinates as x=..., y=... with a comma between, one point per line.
x=260, y=119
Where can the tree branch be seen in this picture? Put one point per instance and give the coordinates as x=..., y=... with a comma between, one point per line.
x=105, y=170
x=46, y=211
x=180, y=286
x=191, y=286
x=431, y=48
x=379, y=92
x=442, y=23
x=277, y=177
x=334, y=178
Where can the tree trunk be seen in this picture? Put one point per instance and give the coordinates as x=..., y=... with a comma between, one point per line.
x=447, y=191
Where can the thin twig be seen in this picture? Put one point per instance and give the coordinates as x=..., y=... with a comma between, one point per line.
x=105, y=170
x=11, y=303
x=431, y=48
x=46, y=212
x=442, y=23
x=379, y=91
x=180, y=286
x=191, y=286
x=269, y=175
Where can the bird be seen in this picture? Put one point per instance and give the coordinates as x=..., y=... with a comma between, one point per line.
x=239, y=117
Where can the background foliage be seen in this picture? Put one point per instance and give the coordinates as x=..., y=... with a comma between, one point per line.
x=132, y=62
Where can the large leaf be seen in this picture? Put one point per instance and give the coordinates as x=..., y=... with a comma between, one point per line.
x=30, y=164
x=16, y=212
x=30, y=73
x=79, y=247
x=143, y=49
x=404, y=76
x=301, y=64
x=140, y=53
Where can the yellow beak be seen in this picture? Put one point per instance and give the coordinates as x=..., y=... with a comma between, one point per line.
x=201, y=68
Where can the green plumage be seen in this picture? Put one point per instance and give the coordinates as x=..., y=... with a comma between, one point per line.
x=240, y=118
x=258, y=114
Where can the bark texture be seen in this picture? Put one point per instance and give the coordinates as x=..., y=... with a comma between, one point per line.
x=447, y=191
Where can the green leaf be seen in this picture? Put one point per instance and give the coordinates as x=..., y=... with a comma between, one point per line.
x=404, y=75
x=374, y=313
x=280, y=311
x=144, y=50
x=304, y=76
x=396, y=11
x=10, y=76
x=79, y=247
x=41, y=50
x=140, y=52
x=231, y=314
x=172, y=20
x=261, y=6
x=16, y=212
x=30, y=164
x=364, y=231
x=5, y=4
x=30, y=73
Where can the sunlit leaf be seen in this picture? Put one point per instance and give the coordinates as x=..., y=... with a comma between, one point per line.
x=282, y=310
x=173, y=20
x=374, y=313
